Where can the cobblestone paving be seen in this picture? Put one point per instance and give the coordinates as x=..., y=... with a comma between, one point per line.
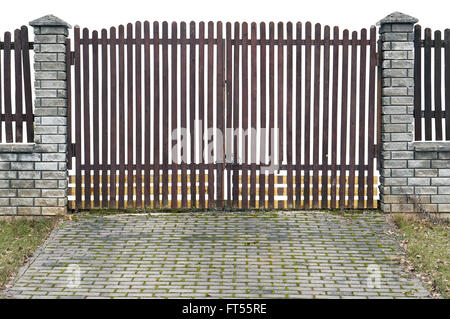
x=218, y=255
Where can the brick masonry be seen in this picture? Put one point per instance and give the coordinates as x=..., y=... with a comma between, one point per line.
x=33, y=177
x=415, y=176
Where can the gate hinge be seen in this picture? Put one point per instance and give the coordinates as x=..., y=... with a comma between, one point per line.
x=376, y=151
x=72, y=58
x=73, y=149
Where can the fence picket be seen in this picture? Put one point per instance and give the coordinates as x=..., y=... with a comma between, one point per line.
x=263, y=110
x=343, y=162
x=183, y=114
x=298, y=124
x=289, y=119
x=86, y=120
x=306, y=186
x=427, y=83
x=192, y=114
x=18, y=85
x=156, y=118
x=7, y=88
x=325, y=125
x=96, y=119
x=352, y=136
x=138, y=101
x=147, y=118
x=362, y=118
x=253, y=128
x=113, y=117
x=121, y=201
x=316, y=145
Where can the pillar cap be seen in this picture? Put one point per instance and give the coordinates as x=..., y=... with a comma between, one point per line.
x=49, y=21
x=398, y=17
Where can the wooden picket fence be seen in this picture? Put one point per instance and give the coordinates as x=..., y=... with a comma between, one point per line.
x=134, y=86
x=431, y=76
x=16, y=109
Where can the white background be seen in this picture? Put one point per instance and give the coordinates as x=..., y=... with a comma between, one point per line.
x=351, y=14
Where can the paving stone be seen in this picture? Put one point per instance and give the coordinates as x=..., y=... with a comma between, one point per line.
x=210, y=255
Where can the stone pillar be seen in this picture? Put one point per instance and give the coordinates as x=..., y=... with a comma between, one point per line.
x=50, y=34
x=397, y=180
x=33, y=176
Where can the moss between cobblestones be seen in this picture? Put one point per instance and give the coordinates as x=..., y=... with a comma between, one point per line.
x=428, y=248
x=18, y=241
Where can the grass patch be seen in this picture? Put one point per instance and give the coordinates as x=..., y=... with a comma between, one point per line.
x=18, y=241
x=428, y=248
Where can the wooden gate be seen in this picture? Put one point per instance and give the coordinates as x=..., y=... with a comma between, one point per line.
x=222, y=116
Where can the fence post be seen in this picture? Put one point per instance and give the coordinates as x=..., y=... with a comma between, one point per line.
x=397, y=179
x=51, y=113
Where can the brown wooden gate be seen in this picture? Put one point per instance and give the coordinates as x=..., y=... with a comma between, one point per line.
x=292, y=112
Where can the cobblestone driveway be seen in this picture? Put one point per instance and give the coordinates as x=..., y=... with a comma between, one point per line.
x=268, y=255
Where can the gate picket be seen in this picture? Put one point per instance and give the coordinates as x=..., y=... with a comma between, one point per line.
x=316, y=115
x=87, y=121
x=326, y=93
x=343, y=142
x=138, y=101
x=113, y=118
x=362, y=119
x=96, y=120
x=289, y=119
x=183, y=115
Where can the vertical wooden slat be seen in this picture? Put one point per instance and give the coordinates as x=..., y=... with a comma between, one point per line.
x=352, y=145
x=121, y=116
x=95, y=119
x=362, y=118
x=229, y=108
x=334, y=116
x=174, y=105
x=220, y=158
x=192, y=114
x=87, y=120
x=69, y=101
x=306, y=186
x=245, y=137
x=78, y=196
x=105, y=111
x=325, y=121
x=183, y=114
x=7, y=88
x=252, y=132
x=343, y=149
x=156, y=117
x=298, y=114
x=18, y=85
x=130, y=117
x=236, y=109
x=447, y=83
x=280, y=99
x=113, y=116
x=437, y=85
x=417, y=82
x=138, y=99
x=427, y=70
x=148, y=122
x=165, y=114
x=27, y=88
x=371, y=117
x=210, y=113
x=201, y=110
x=263, y=110
x=289, y=119
x=316, y=137
x=271, y=112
